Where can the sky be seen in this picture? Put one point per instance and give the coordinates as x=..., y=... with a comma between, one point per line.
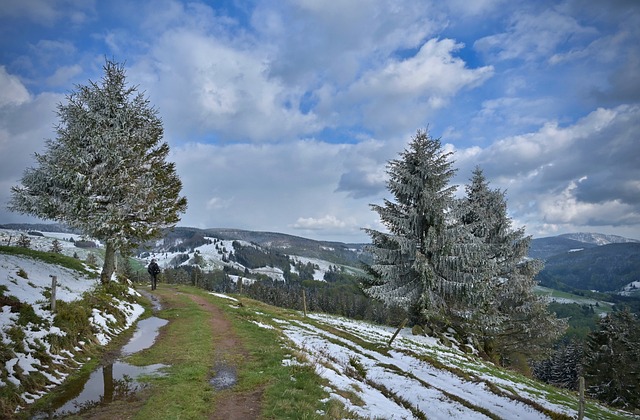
x=282, y=115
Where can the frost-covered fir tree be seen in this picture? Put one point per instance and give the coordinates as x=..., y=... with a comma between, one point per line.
x=106, y=172
x=416, y=264
x=506, y=312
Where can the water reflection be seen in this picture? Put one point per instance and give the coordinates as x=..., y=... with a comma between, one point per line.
x=114, y=381
x=144, y=336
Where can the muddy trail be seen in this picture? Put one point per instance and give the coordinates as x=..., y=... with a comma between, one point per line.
x=229, y=352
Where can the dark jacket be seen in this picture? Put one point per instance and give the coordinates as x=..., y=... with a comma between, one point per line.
x=153, y=269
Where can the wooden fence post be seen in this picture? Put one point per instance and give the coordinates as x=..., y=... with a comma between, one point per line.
x=304, y=303
x=54, y=283
x=398, y=330
x=581, y=398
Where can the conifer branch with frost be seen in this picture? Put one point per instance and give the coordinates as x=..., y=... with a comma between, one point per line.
x=106, y=172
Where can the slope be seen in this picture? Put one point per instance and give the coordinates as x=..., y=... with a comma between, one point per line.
x=341, y=362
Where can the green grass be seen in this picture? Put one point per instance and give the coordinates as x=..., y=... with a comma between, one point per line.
x=603, y=307
x=288, y=392
x=184, y=345
x=49, y=257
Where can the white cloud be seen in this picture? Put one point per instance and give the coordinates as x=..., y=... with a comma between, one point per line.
x=12, y=91
x=533, y=36
x=63, y=74
x=561, y=178
x=204, y=85
x=217, y=203
x=288, y=188
x=412, y=88
x=48, y=12
x=566, y=208
x=327, y=221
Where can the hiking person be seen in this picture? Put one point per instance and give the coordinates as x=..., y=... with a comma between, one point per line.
x=154, y=270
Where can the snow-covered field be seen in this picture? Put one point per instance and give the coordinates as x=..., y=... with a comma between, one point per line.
x=29, y=281
x=215, y=256
x=416, y=376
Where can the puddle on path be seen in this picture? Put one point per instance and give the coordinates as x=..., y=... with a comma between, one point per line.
x=145, y=335
x=115, y=381
x=224, y=378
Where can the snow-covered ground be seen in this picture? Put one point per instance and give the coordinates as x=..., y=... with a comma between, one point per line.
x=44, y=242
x=30, y=281
x=416, y=376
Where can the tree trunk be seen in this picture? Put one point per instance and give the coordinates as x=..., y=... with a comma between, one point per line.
x=109, y=263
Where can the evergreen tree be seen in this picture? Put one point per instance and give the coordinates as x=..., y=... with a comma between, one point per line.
x=56, y=248
x=105, y=173
x=510, y=317
x=24, y=241
x=612, y=360
x=416, y=264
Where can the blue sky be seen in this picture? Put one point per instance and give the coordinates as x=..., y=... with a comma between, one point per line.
x=281, y=115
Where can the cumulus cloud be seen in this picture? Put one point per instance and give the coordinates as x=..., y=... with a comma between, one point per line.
x=412, y=87
x=564, y=207
x=63, y=74
x=13, y=91
x=25, y=122
x=288, y=187
x=204, y=85
x=282, y=115
x=582, y=174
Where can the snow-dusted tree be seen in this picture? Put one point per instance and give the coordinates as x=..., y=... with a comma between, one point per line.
x=56, y=247
x=105, y=173
x=419, y=262
x=24, y=241
x=564, y=367
x=506, y=312
x=612, y=360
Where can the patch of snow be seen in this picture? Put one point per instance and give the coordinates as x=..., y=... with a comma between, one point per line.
x=34, y=290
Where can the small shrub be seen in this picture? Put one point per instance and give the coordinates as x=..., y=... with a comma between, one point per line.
x=28, y=315
x=11, y=301
x=91, y=259
x=359, y=369
x=22, y=273
x=56, y=247
x=24, y=241
x=16, y=335
x=6, y=353
x=73, y=319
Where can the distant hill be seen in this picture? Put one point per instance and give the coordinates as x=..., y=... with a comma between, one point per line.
x=259, y=252
x=544, y=248
x=45, y=227
x=605, y=268
x=336, y=252
x=598, y=238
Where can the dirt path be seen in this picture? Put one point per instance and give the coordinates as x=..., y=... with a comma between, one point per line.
x=229, y=353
